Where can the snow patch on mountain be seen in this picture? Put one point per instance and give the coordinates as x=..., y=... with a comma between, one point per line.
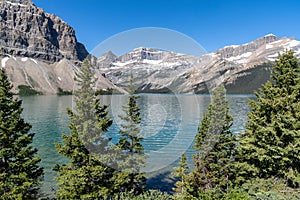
x=24, y=59
x=152, y=62
x=241, y=59
x=292, y=44
x=33, y=60
x=122, y=64
x=273, y=57
x=3, y=61
x=15, y=4
x=269, y=46
x=231, y=46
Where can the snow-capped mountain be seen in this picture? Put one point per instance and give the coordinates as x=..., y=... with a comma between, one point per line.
x=243, y=68
x=153, y=69
x=266, y=48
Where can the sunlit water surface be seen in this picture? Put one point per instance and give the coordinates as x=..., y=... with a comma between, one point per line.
x=169, y=124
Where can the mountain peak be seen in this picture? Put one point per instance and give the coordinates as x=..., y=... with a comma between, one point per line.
x=236, y=50
x=270, y=35
x=150, y=49
x=145, y=53
x=17, y=2
x=268, y=38
x=106, y=59
x=145, y=49
x=107, y=56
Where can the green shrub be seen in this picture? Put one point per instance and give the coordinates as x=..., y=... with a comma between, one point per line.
x=108, y=91
x=149, y=195
x=27, y=90
x=63, y=92
x=271, y=188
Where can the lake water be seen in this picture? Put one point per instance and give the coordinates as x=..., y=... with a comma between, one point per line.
x=169, y=124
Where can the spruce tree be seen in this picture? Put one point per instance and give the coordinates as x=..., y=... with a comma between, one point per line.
x=20, y=174
x=270, y=145
x=181, y=172
x=86, y=176
x=216, y=145
x=133, y=158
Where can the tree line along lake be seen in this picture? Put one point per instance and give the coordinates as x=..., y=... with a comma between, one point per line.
x=169, y=124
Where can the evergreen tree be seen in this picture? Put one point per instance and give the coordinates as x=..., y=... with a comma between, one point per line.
x=19, y=171
x=181, y=172
x=130, y=144
x=86, y=175
x=216, y=144
x=270, y=145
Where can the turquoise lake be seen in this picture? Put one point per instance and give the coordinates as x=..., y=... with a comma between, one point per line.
x=169, y=124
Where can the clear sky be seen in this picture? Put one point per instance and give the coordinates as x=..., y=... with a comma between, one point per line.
x=212, y=23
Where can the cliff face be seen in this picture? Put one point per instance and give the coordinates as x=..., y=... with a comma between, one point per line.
x=27, y=31
x=236, y=50
x=39, y=50
x=142, y=53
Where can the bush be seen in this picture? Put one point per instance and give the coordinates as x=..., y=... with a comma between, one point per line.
x=27, y=90
x=108, y=91
x=63, y=92
x=149, y=195
x=271, y=188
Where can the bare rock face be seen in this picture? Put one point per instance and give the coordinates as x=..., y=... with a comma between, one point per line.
x=39, y=50
x=241, y=68
x=46, y=78
x=106, y=59
x=236, y=50
x=27, y=31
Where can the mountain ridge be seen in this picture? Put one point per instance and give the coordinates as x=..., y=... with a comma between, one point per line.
x=41, y=51
x=164, y=71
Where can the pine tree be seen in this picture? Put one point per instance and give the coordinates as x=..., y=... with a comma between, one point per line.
x=133, y=158
x=181, y=172
x=86, y=175
x=216, y=145
x=20, y=174
x=270, y=145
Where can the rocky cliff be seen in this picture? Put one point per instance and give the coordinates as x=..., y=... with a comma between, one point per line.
x=235, y=50
x=40, y=51
x=27, y=31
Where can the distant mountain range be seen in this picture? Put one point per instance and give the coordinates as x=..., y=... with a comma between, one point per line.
x=242, y=68
x=40, y=50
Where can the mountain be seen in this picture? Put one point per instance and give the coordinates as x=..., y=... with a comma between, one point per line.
x=39, y=50
x=153, y=69
x=242, y=68
x=106, y=59
x=30, y=32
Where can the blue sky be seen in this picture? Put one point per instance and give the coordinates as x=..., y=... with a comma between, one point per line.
x=212, y=23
